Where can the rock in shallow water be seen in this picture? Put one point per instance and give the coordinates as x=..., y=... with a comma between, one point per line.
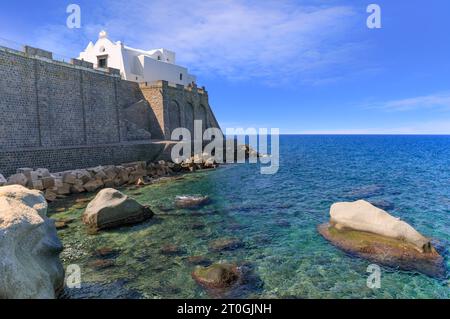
x=111, y=208
x=228, y=280
x=191, y=201
x=99, y=264
x=172, y=250
x=29, y=246
x=361, y=229
x=226, y=244
x=199, y=260
x=363, y=216
x=217, y=275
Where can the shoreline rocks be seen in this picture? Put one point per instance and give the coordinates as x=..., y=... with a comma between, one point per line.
x=111, y=208
x=59, y=184
x=361, y=229
x=30, y=267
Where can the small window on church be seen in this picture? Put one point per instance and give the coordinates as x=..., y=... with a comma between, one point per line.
x=103, y=62
x=181, y=76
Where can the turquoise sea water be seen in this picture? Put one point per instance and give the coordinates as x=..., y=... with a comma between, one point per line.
x=276, y=217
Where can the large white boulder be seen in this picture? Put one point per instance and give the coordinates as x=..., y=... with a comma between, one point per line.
x=29, y=246
x=111, y=208
x=363, y=216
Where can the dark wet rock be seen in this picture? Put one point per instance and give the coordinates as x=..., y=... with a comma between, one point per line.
x=106, y=253
x=217, y=275
x=199, y=260
x=115, y=290
x=191, y=201
x=172, y=250
x=224, y=244
x=100, y=264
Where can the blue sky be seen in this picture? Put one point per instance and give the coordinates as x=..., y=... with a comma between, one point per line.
x=301, y=66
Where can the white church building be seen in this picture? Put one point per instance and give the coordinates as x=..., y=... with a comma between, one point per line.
x=136, y=65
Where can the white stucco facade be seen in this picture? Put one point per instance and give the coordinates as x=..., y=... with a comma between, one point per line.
x=136, y=65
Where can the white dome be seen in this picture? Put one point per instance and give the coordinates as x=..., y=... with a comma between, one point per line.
x=103, y=34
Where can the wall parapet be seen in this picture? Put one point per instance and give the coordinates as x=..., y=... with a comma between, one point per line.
x=165, y=84
x=47, y=56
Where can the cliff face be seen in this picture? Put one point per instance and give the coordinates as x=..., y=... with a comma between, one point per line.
x=65, y=116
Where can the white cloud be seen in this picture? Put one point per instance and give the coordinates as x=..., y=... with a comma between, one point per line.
x=268, y=40
x=433, y=101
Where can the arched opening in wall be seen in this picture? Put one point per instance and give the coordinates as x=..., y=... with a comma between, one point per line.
x=174, y=116
x=189, y=118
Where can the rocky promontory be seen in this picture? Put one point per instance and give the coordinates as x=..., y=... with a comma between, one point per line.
x=368, y=232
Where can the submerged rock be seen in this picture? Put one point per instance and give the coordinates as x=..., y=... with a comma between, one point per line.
x=100, y=264
x=199, y=260
x=111, y=208
x=191, y=201
x=106, y=253
x=369, y=232
x=217, y=275
x=30, y=267
x=63, y=223
x=172, y=250
x=228, y=280
x=226, y=244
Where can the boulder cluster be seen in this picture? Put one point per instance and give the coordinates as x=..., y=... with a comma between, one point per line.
x=60, y=184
